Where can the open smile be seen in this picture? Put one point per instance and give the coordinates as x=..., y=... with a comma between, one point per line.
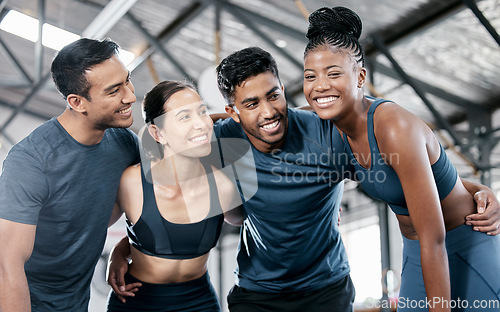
x=272, y=126
x=126, y=111
x=200, y=139
x=326, y=101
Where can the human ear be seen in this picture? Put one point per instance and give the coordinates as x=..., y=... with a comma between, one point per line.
x=157, y=134
x=361, y=77
x=233, y=112
x=76, y=103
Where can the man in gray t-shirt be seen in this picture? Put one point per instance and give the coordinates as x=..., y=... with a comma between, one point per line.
x=58, y=185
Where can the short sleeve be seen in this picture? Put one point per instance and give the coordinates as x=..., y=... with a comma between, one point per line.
x=228, y=128
x=23, y=187
x=135, y=142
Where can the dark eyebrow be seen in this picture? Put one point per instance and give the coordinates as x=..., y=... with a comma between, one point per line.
x=116, y=85
x=328, y=67
x=256, y=98
x=271, y=91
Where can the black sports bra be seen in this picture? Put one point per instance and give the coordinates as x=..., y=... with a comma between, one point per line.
x=155, y=236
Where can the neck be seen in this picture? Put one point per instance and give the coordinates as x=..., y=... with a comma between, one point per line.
x=175, y=169
x=353, y=124
x=187, y=168
x=79, y=128
x=269, y=148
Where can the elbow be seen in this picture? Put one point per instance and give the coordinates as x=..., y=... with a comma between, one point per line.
x=235, y=221
x=234, y=216
x=433, y=244
x=10, y=271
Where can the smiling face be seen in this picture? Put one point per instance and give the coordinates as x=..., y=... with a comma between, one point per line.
x=186, y=126
x=332, y=82
x=111, y=95
x=260, y=107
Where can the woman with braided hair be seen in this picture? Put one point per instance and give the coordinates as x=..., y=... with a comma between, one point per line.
x=446, y=264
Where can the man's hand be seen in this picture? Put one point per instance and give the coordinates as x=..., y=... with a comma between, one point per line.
x=117, y=267
x=487, y=218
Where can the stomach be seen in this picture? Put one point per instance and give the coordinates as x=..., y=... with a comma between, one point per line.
x=158, y=270
x=455, y=207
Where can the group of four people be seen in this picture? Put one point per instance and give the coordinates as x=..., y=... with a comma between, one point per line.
x=59, y=185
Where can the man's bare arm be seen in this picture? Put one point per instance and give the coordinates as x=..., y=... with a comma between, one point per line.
x=16, y=245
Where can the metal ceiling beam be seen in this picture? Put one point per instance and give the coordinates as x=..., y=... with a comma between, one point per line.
x=155, y=43
x=473, y=6
x=277, y=27
x=240, y=16
x=27, y=112
x=449, y=97
x=13, y=82
x=412, y=24
x=3, y=3
x=159, y=47
x=107, y=18
x=441, y=121
x=9, y=139
x=15, y=63
x=25, y=101
x=184, y=17
x=39, y=42
x=217, y=18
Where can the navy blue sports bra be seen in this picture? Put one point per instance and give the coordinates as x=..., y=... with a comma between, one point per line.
x=381, y=181
x=155, y=236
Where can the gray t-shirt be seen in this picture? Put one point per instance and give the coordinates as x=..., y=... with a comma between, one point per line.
x=68, y=190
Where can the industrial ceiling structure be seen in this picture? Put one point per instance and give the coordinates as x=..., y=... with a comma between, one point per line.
x=440, y=59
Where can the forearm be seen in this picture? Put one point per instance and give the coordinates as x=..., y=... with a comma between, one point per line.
x=121, y=249
x=473, y=187
x=436, y=276
x=15, y=294
x=218, y=116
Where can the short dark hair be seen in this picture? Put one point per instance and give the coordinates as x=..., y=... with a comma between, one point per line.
x=337, y=27
x=71, y=63
x=241, y=65
x=153, y=107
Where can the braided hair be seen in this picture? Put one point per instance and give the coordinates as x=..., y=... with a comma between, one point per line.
x=337, y=27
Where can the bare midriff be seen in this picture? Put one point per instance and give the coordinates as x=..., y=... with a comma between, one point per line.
x=455, y=207
x=158, y=270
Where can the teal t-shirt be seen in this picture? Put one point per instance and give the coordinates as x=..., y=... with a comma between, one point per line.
x=290, y=240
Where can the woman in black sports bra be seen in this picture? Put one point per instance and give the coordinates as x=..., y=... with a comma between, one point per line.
x=175, y=202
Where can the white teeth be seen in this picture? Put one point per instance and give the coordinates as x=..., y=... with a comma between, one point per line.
x=271, y=125
x=124, y=111
x=199, y=138
x=326, y=99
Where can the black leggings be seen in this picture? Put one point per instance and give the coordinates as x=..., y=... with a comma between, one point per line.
x=337, y=297
x=196, y=295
